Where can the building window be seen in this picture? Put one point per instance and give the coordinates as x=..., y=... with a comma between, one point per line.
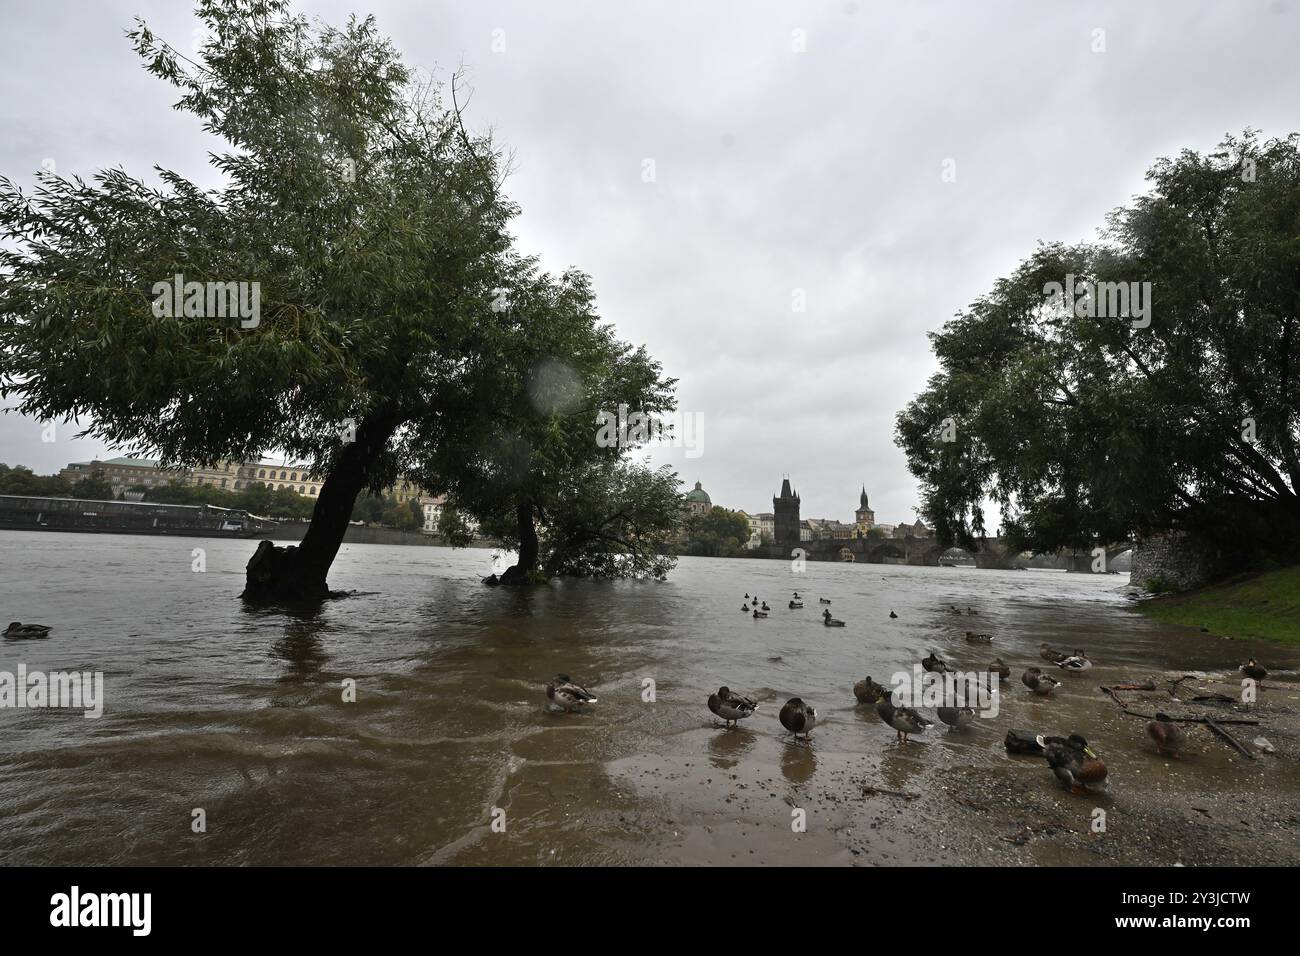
x=261, y=472
x=283, y=475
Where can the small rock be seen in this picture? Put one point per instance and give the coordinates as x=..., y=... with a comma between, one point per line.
x=1262, y=743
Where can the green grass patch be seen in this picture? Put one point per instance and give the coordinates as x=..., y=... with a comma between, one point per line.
x=1264, y=606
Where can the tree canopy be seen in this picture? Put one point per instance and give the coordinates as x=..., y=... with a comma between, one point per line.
x=1087, y=423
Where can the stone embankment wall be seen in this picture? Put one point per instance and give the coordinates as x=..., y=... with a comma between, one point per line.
x=1179, y=560
x=357, y=534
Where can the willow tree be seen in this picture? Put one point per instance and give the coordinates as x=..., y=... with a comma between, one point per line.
x=1086, y=423
x=522, y=448
x=366, y=227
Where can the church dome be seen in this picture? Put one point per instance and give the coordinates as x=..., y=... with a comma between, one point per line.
x=699, y=494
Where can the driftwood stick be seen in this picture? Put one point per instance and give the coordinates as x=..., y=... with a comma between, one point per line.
x=873, y=791
x=1177, y=720
x=1229, y=739
x=1134, y=685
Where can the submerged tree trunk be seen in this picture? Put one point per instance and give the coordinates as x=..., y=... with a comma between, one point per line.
x=528, y=547
x=299, y=573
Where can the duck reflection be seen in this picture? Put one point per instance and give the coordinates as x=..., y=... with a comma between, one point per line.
x=798, y=761
x=729, y=745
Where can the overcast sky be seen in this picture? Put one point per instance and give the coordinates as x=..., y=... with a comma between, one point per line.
x=783, y=161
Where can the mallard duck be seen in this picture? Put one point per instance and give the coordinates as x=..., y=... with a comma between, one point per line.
x=797, y=717
x=979, y=638
x=765, y=607
x=903, y=719
x=730, y=706
x=892, y=614
x=1078, y=661
x=1167, y=735
x=1039, y=682
x=1250, y=669
x=746, y=595
x=953, y=609
x=830, y=621
x=1074, y=763
x=999, y=668
x=971, y=611
x=794, y=605
x=567, y=695
x=797, y=597
x=1049, y=655
x=17, y=631
x=868, y=691
x=934, y=665
x=956, y=717
x=823, y=601
x=758, y=613
x=744, y=608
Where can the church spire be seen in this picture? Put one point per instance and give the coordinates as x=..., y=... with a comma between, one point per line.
x=862, y=500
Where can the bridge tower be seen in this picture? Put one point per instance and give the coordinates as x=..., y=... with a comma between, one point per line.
x=785, y=519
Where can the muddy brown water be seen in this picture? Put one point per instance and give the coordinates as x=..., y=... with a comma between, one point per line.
x=240, y=713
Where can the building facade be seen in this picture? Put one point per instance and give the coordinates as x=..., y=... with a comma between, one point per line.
x=123, y=473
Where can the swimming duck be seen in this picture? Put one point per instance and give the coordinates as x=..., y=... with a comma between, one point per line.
x=1078, y=661
x=934, y=665
x=18, y=631
x=1074, y=763
x=1039, y=682
x=999, y=668
x=892, y=614
x=797, y=717
x=956, y=717
x=797, y=597
x=903, y=719
x=795, y=604
x=823, y=601
x=971, y=611
x=979, y=638
x=1167, y=735
x=745, y=608
x=830, y=621
x=765, y=607
x=953, y=609
x=758, y=613
x=567, y=695
x=1049, y=655
x=730, y=706
x=746, y=595
x=1252, y=670
x=868, y=691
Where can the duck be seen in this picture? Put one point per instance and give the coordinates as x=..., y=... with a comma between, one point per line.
x=1074, y=763
x=956, y=717
x=746, y=595
x=765, y=607
x=934, y=664
x=730, y=706
x=999, y=668
x=1250, y=669
x=823, y=601
x=1167, y=735
x=892, y=614
x=1039, y=682
x=953, y=609
x=971, y=611
x=567, y=695
x=903, y=719
x=745, y=608
x=1078, y=661
x=795, y=604
x=758, y=613
x=17, y=631
x=797, y=597
x=868, y=691
x=1052, y=657
x=979, y=638
x=830, y=621
x=797, y=717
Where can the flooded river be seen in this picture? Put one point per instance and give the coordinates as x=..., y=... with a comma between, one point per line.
x=241, y=714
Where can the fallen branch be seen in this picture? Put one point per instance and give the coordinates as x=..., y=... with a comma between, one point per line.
x=1229, y=739
x=1145, y=685
x=1176, y=720
x=873, y=791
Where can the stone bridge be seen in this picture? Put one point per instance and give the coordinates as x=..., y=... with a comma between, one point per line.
x=928, y=552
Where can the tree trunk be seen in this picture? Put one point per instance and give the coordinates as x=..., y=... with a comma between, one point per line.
x=528, y=547
x=299, y=573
